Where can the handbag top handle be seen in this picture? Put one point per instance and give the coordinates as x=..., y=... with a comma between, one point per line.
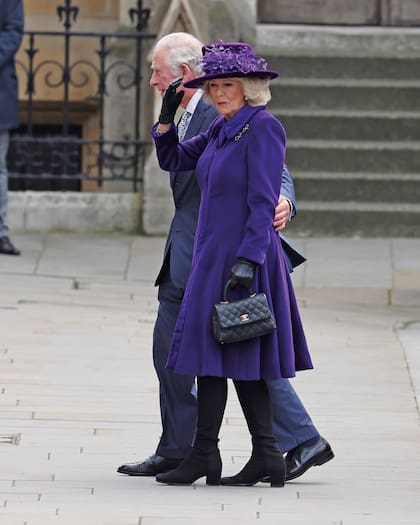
x=229, y=285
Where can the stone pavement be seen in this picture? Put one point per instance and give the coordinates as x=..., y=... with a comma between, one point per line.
x=78, y=394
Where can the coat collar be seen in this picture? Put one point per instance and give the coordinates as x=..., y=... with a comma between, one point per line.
x=235, y=127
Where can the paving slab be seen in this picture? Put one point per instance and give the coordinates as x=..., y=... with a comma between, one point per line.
x=79, y=396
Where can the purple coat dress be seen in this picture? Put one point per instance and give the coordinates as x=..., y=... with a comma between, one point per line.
x=238, y=164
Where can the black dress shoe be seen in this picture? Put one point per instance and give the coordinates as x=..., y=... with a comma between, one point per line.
x=302, y=458
x=149, y=467
x=7, y=248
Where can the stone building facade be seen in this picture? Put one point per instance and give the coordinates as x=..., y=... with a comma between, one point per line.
x=284, y=30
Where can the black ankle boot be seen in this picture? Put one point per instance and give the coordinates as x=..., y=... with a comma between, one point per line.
x=266, y=460
x=196, y=465
x=262, y=466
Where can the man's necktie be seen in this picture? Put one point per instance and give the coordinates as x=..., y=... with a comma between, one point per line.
x=183, y=124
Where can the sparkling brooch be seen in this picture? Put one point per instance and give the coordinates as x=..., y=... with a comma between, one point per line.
x=242, y=132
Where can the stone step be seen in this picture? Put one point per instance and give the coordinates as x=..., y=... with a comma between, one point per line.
x=350, y=125
x=339, y=67
x=332, y=95
x=321, y=42
x=345, y=82
x=365, y=219
x=357, y=187
x=349, y=99
x=354, y=156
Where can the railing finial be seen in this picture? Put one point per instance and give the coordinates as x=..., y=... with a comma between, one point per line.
x=141, y=14
x=68, y=12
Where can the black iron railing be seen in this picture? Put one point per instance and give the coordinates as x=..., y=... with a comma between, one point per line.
x=51, y=148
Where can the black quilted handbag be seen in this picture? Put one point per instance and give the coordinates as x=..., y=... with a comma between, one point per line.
x=243, y=319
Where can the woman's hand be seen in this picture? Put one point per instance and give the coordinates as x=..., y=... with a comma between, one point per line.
x=170, y=102
x=242, y=273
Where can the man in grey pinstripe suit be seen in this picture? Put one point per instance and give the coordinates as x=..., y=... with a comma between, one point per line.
x=176, y=55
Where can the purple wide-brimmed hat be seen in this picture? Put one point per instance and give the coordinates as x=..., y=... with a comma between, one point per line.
x=230, y=59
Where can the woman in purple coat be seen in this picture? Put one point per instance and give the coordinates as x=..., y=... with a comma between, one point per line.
x=238, y=162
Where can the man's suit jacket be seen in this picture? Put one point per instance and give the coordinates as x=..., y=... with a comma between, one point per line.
x=294, y=256
x=186, y=194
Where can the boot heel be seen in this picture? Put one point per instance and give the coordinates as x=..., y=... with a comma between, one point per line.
x=213, y=478
x=276, y=482
x=277, y=476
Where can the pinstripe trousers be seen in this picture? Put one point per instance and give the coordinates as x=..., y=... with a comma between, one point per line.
x=178, y=406
x=4, y=146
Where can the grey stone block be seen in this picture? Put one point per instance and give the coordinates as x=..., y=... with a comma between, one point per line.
x=338, y=41
x=77, y=212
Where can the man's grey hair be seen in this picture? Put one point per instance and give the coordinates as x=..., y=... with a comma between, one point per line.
x=182, y=48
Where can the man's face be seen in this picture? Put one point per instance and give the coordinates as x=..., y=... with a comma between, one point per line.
x=162, y=75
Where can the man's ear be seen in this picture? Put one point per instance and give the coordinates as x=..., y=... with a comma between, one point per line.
x=187, y=73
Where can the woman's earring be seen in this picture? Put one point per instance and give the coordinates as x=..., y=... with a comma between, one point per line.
x=246, y=98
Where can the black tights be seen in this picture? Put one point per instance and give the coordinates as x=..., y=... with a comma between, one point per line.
x=211, y=403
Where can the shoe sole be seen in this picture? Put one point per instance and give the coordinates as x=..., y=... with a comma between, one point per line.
x=265, y=479
x=317, y=462
x=239, y=484
x=184, y=484
x=144, y=474
x=137, y=475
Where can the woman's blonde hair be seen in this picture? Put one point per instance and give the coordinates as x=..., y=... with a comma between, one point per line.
x=256, y=90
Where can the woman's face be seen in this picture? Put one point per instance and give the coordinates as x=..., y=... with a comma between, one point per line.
x=227, y=94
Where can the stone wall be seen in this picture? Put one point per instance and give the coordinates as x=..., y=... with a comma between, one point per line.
x=34, y=211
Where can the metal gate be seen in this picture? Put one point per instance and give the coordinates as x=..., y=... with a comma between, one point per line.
x=56, y=154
